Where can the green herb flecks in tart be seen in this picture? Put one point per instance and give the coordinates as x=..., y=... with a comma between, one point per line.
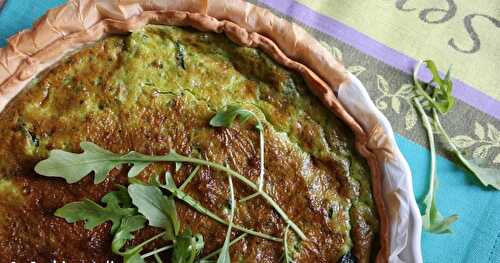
x=161, y=103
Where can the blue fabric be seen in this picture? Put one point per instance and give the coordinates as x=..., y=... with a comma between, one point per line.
x=476, y=237
x=20, y=14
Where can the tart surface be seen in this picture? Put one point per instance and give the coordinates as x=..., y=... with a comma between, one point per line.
x=156, y=90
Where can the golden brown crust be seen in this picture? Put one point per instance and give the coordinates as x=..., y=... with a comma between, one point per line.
x=78, y=23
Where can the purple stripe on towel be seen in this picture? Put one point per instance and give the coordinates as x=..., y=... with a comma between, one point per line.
x=369, y=46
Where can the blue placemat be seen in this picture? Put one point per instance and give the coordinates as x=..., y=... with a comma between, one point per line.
x=17, y=15
x=476, y=235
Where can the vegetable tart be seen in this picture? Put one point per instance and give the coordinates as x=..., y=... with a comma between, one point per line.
x=181, y=131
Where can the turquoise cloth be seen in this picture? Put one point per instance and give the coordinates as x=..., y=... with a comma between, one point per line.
x=476, y=236
x=17, y=15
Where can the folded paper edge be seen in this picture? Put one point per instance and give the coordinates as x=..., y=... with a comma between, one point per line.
x=405, y=221
x=80, y=22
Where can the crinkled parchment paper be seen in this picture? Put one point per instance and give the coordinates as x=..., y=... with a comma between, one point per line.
x=81, y=22
x=405, y=222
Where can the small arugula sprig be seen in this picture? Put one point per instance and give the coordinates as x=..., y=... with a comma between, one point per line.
x=487, y=176
x=156, y=207
x=438, y=94
x=187, y=247
x=117, y=208
x=73, y=167
x=170, y=186
x=226, y=118
x=150, y=205
x=63, y=164
x=432, y=219
x=436, y=97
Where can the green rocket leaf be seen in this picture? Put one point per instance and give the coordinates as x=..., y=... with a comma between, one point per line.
x=187, y=247
x=128, y=225
x=226, y=118
x=159, y=210
x=73, y=167
x=439, y=91
x=93, y=214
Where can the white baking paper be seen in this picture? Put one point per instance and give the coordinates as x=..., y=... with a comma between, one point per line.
x=405, y=220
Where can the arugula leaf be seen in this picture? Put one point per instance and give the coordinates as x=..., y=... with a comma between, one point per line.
x=224, y=256
x=487, y=176
x=157, y=208
x=432, y=219
x=128, y=225
x=73, y=167
x=441, y=100
x=439, y=95
x=187, y=247
x=226, y=118
x=93, y=214
x=169, y=209
x=119, y=196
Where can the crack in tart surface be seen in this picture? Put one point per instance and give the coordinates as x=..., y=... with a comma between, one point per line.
x=155, y=90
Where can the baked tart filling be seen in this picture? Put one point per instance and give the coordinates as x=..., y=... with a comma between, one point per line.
x=156, y=91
